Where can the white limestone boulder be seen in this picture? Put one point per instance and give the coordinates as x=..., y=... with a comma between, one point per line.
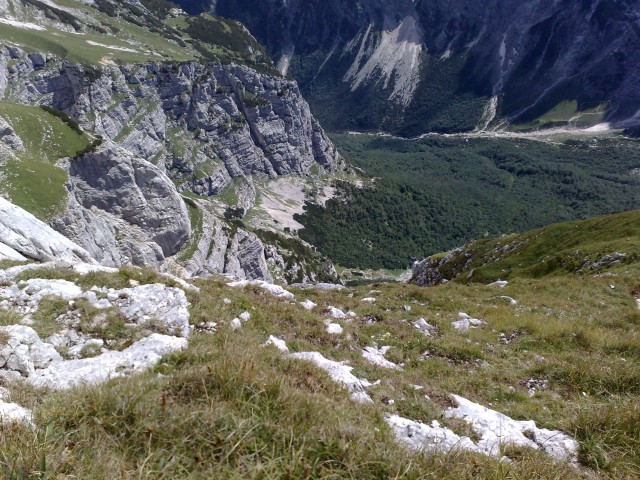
x=25, y=234
x=496, y=430
x=340, y=373
x=278, y=343
x=275, y=290
x=140, y=356
x=430, y=438
x=466, y=323
x=8, y=253
x=376, y=357
x=14, y=413
x=168, y=305
x=24, y=352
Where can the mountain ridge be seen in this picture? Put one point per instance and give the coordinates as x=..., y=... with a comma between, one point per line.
x=516, y=62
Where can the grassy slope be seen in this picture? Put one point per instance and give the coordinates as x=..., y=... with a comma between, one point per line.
x=227, y=408
x=119, y=32
x=567, y=113
x=554, y=250
x=32, y=180
x=146, y=45
x=75, y=49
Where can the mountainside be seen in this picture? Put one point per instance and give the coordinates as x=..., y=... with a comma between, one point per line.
x=155, y=156
x=586, y=248
x=158, y=176
x=409, y=67
x=148, y=375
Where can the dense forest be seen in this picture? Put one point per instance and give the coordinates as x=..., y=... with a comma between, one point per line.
x=431, y=195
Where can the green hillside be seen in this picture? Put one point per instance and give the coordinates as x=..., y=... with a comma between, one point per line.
x=584, y=247
x=106, y=32
x=31, y=178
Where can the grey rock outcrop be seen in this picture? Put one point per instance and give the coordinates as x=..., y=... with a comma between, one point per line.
x=25, y=352
x=123, y=209
x=9, y=137
x=245, y=257
x=435, y=270
x=426, y=273
x=221, y=250
x=156, y=301
x=22, y=234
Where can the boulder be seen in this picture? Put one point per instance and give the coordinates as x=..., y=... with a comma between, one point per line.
x=168, y=305
x=138, y=357
x=340, y=373
x=24, y=352
x=23, y=233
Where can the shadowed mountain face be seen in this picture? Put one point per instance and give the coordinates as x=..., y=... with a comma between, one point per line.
x=413, y=66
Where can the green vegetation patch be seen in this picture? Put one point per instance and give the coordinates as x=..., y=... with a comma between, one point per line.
x=231, y=194
x=568, y=113
x=36, y=186
x=160, y=8
x=44, y=319
x=76, y=48
x=32, y=181
x=196, y=219
x=227, y=41
x=125, y=32
x=44, y=131
x=141, y=34
x=589, y=246
x=440, y=192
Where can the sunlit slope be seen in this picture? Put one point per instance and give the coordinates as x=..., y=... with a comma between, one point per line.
x=106, y=32
x=583, y=247
x=31, y=178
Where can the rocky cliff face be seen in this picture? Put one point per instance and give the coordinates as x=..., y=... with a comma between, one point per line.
x=222, y=249
x=123, y=209
x=203, y=124
x=163, y=129
x=451, y=65
x=22, y=237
